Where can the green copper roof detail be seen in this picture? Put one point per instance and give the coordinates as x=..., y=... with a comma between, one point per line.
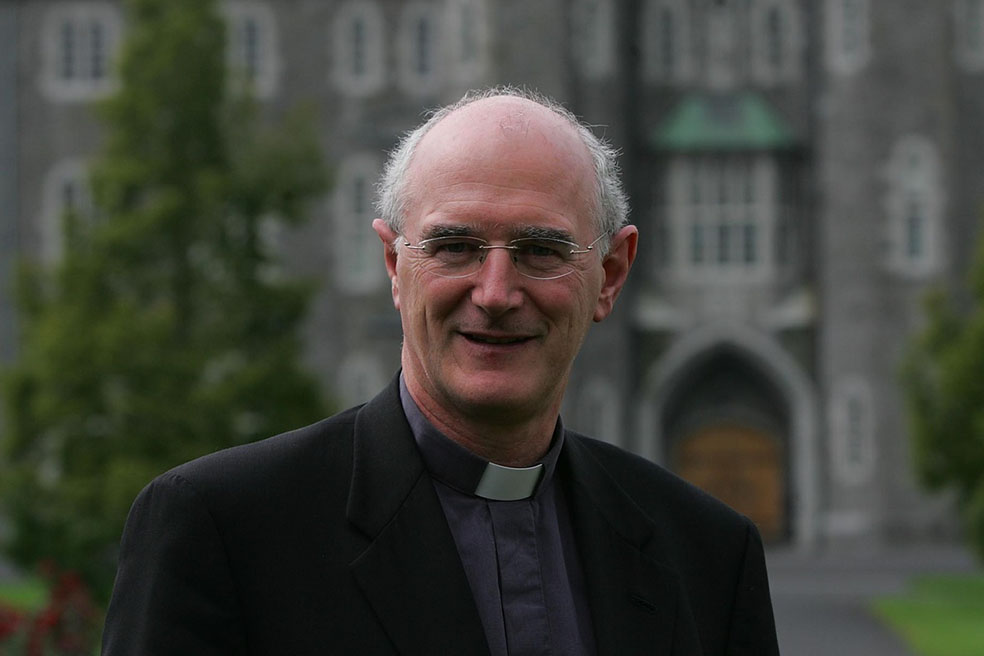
x=742, y=121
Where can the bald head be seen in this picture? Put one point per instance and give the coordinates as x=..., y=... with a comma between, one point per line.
x=482, y=126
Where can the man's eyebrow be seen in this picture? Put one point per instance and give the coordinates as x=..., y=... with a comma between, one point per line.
x=540, y=232
x=447, y=230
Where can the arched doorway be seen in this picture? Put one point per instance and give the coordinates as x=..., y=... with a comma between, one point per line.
x=688, y=387
x=728, y=429
x=740, y=465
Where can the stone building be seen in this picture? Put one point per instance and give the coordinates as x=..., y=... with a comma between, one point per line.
x=800, y=171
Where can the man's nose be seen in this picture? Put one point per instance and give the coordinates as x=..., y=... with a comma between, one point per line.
x=498, y=285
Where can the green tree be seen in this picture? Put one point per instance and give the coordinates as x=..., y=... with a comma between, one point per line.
x=943, y=379
x=167, y=330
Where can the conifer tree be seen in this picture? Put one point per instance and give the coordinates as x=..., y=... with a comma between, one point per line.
x=167, y=330
x=943, y=378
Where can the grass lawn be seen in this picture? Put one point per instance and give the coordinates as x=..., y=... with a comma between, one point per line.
x=26, y=594
x=939, y=615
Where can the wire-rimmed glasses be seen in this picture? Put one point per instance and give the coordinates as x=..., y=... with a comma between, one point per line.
x=540, y=258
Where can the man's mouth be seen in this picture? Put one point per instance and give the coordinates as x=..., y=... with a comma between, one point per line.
x=488, y=339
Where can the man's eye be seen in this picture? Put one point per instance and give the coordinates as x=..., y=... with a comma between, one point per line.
x=544, y=249
x=452, y=246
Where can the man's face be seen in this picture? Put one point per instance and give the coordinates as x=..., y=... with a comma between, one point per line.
x=496, y=346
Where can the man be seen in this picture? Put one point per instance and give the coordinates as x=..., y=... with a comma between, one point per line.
x=453, y=513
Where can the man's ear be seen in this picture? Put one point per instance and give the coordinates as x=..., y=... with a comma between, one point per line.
x=616, y=264
x=388, y=237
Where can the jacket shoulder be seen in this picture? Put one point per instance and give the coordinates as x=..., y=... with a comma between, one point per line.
x=660, y=494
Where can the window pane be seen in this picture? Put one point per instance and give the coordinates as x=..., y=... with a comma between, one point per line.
x=67, y=51
x=97, y=51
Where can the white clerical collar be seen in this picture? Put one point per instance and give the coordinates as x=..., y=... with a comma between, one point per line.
x=500, y=483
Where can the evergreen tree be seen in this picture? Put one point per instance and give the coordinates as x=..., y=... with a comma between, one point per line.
x=167, y=330
x=943, y=377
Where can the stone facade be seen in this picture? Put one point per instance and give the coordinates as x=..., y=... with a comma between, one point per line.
x=800, y=173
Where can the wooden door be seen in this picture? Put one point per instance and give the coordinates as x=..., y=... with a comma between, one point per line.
x=742, y=467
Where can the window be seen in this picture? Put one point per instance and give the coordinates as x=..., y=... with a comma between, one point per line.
x=79, y=43
x=722, y=42
x=969, y=32
x=775, y=41
x=360, y=377
x=358, y=265
x=468, y=37
x=593, y=37
x=251, y=47
x=915, y=206
x=420, y=47
x=848, y=35
x=598, y=410
x=666, y=41
x=852, y=430
x=357, y=46
x=65, y=195
x=722, y=211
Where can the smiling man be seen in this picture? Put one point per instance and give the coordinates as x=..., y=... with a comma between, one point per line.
x=454, y=513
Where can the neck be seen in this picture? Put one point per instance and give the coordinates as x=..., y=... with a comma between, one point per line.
x=513, y=442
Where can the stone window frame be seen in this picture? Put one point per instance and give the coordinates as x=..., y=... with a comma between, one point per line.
x=358, y=269
x=914, y=205
x=468, y=39
x=654, y=66
x=93, y=74
x=853, y=450
x=259, y=52
x=599, y=410
x=699, y=223
x=421, y=61
x=343, y=46
x=592, y=30
x=360, y=377
x=68, y=176
x=788, y=68
x=968, y=30
x=841, y=56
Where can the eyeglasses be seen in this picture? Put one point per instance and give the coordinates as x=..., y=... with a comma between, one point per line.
x=540, y=258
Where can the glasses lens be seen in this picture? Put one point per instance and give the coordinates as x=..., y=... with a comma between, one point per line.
x=454, y=256
x=543, y=258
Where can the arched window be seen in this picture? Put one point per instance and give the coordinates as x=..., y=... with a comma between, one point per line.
x=251, y=46
x=848, y=42
x=593, y=37
x=775, y=39
x=915, y=206
x=599, y=410
x=468, y=39
x=79, y=42
x=357, y=48
x=852, y=430
x=969, y=33
x=66, y=195
x=666, y=41
x=358, y=265
x=421, y=61
x=359, y=378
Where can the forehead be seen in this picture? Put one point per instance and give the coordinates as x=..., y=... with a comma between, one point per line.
x=506, y=159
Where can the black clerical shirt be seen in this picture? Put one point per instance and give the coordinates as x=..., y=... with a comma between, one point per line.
x=519, y=555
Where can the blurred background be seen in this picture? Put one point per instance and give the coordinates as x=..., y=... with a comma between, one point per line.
x=187, y=262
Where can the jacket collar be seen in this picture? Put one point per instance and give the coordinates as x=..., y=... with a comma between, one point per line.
x=410, y=573
x=413, y=578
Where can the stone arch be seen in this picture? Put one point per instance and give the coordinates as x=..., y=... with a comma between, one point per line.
x=761, y=352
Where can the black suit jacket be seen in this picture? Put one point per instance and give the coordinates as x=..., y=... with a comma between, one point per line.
x=331, y=540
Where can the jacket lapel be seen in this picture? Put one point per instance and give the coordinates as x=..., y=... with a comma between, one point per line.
x=637, y=604
x=411, y=573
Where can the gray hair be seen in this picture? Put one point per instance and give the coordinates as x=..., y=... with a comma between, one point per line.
x=612, y=207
